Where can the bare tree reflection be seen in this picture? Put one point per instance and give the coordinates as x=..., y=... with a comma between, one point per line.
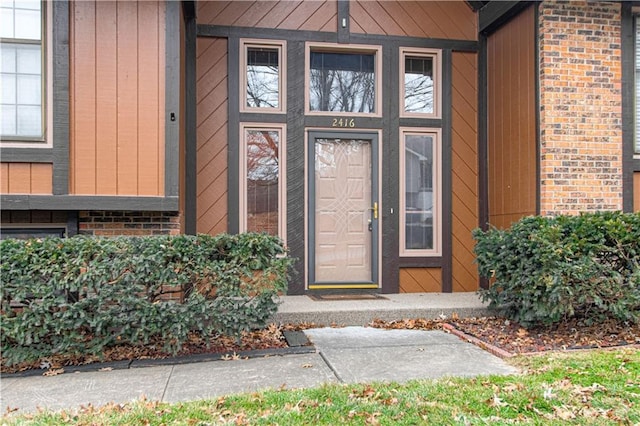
x=262, y=169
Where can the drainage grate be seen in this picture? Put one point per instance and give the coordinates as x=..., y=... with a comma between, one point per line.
x=333, y=297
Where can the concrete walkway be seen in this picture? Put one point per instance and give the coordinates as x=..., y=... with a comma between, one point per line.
x=343, y=355
x=303, y=309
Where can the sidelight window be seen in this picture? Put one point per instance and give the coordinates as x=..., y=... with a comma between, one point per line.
x=420, y=81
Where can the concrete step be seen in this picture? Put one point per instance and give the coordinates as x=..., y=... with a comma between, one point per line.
x=387, y=307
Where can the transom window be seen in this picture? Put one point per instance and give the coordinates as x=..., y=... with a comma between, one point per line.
x=262, y=190
x=420, y=158
x=343, y=80
x=263, y=76
x=420, y=81
x=21, y=51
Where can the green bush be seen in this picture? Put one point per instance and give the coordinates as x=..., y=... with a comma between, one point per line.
x=544, y=270
x=80, y=295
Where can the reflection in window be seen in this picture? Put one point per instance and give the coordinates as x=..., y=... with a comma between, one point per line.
x=342, y=82
x=21, y=69
x=263, y=79
x=262, y=174
x=419, y=192
x=418, y=84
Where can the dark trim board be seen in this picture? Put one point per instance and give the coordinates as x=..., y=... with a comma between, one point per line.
x=420, y=262
x=84, y=202
x=483, y=143
x=262, y=118
x=60, y=108
x=447, y=235
x=629, y=165
x=26, y=155
x=191, y=143
x=343, y=18
x=205, y=30
x=233, y=135
x=172, y=100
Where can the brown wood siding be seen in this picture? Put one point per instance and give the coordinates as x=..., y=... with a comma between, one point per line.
x=425, y=19
x=308, y=15
x=420, y=280
x=464, y=147
x=212, y=121
x=636, y=192
x=26, y=178
x=512, y=121
x=117, y=83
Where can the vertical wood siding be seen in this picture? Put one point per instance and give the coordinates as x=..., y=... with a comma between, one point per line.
x=308, y=15
x=464, y=147
x=26, y=178
x=511, y=122
x=636, y=192
x=212, y=121
x=420, y=280
x=428, y=19
x=117, y=79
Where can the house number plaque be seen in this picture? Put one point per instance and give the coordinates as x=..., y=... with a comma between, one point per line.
x=343, y=122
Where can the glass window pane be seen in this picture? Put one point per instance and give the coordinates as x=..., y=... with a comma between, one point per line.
x=419, y=200
x=29, y=89
x=342, y=82
x=27, y=24
x=29, y=121
x=262, y=180
x=263, y=77
x=8, y=54
x=28, y=59
x=8, y=88
x=8, y=123
x=6, y=23
x=418, y=84
x=637, y=85
x=28, y=4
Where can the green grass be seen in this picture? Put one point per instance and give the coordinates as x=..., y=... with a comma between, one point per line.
x=590, y=387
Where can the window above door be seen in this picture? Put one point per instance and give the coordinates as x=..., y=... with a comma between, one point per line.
x=343, y=80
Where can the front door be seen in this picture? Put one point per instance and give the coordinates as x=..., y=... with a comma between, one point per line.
x=343, y=210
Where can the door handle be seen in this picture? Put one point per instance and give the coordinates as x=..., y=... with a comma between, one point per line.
x=374, y=209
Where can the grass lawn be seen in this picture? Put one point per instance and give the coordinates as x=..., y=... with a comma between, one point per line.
x=588, y=387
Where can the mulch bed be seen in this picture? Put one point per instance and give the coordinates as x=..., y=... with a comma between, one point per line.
x=508, y=336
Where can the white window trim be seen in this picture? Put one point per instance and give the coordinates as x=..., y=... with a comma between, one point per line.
x=437, y=189
x=46, y=140
x=282, y=175
x=342, y=48
x=281, y=46
x=436, y=55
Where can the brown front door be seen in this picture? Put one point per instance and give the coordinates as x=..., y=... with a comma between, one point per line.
x=343, y=211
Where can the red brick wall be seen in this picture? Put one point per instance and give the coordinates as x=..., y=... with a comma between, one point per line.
x=110, y=223
x=580, y=107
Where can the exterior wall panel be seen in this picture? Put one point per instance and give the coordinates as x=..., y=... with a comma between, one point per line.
x=309, y=15
x=464, y=143
x=117, y=83
x=212, y=119
x=420, y=280
x=26, y=178
x=512, y=121
x=428, y=19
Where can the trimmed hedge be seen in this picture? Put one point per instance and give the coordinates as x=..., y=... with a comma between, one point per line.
x=547, y=269
x=82, y=294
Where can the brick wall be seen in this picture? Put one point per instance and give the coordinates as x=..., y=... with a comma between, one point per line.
x=109, y=223
x=580, y=107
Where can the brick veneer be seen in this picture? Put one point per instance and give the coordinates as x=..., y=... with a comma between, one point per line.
x=580, y=107
x=109, y=223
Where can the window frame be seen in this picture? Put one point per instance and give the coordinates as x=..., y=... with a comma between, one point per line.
x=636, y=94
x=42, y=141
x=281, y=46
x=376, y=50
x=436, y=134
x=436, y=56
x=282, y=176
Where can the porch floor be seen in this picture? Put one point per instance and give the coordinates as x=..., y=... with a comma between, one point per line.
x=303, y=309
